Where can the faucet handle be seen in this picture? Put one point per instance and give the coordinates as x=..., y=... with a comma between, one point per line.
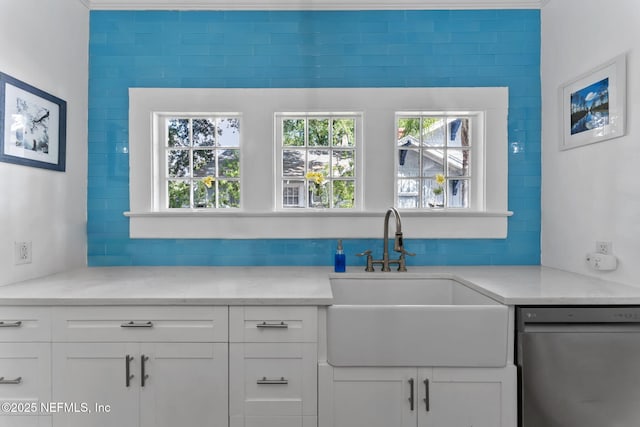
x=367, y=253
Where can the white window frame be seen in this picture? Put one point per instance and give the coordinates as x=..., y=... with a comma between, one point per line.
x=160, y=166
x=278, y=150
x=477, y=119
x=259, y=217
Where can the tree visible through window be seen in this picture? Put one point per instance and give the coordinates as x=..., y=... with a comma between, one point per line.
x=318, y=158
x=434, y=155
x=203, y=162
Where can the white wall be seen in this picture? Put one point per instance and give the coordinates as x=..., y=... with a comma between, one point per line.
x=593, y=192
x=45, y=43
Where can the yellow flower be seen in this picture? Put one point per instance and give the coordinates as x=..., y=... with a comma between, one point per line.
x=208, y=181
x=316, y=177
x=439, y=179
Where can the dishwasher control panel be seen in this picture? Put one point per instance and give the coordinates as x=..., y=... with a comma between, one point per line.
x=578, y=314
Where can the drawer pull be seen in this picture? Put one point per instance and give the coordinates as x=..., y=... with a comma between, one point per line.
x=133, y=324
x=143, y=374
x=281, y=381
x=16, y=381
x=280, y=325
x=15, y=324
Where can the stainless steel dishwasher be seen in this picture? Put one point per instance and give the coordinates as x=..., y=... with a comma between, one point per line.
x=578, y=366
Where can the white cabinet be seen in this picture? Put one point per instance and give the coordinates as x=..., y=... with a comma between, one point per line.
x=25, y=366
x=25, y=381
x=371, y=397
x=423, y=397
x=95, y=374
x=143, y=384
x=273, y=367
x=143, y=366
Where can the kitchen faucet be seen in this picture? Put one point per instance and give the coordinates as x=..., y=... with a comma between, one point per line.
x=398, y=246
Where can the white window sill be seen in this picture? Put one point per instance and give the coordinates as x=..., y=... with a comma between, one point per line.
x=444, y=223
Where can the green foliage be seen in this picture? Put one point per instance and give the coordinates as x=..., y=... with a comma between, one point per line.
x=179, y=194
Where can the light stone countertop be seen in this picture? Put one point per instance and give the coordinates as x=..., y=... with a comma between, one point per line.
x=517, y=285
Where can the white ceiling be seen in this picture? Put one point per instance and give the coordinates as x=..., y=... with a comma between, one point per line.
x=310, y=4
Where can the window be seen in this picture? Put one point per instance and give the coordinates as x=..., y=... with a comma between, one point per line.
x=433, y=161
x=202, y=162
x=263, y=150
x=317, y=158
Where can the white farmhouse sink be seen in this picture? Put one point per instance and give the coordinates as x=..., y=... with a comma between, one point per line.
x=409, y=321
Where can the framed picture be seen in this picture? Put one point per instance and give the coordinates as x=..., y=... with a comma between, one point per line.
x=593, y=105
x=33, y=126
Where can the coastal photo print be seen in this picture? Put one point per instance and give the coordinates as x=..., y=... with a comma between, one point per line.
x=32, y=125
x=593, y=105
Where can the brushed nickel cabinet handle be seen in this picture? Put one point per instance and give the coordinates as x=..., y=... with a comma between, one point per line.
x=411, y=396
x=143, y=375
x=133, y=324
x=15, y=324
x=16, y=381
x=127, y=370
x=281, y=381
x=280, y=325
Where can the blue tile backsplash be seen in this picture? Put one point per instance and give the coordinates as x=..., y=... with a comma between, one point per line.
x=308, y=49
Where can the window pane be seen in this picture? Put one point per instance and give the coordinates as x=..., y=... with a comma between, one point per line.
x=458, y=193
x=409, y=163
x=343, y=163
x=458, y=132
x=343, y=194
x=318, y=161
x=408, y=193
x=229, y=163
x=433, y=193
x=293, y=194
x=409, y=128
x=318, y=195
x=293, y=132
x=432, y=162
x=433, y=131
x=204, y=132
x=293, y=162
x=458, y=162
x=228, y=194
x=178, y=132
x=204, y=163
x=179, y=194
x=319, y=132
x=228, y=132
x=344, y=131
x=204, y=194
x=178, y=163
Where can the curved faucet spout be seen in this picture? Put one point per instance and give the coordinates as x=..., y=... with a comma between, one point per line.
x=398, y=245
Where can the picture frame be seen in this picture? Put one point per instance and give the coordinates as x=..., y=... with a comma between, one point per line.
x=593, y=105
x=32, y=126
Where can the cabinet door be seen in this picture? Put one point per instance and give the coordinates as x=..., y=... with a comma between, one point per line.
x=186, y=385
x=459, y=397
x=95, y=374
x=374, y=397
x=273, y=384
x=25, y=369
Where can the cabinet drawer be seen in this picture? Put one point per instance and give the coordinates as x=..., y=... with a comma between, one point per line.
x=140, y=324
x=25, y=371
x=272, y=380
x=273, y=324
x=25, y=324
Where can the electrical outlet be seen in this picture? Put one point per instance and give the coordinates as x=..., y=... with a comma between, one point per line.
x=22, y=253
x=603, y=247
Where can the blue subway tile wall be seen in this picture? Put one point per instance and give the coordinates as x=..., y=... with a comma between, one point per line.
x=308, y=49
